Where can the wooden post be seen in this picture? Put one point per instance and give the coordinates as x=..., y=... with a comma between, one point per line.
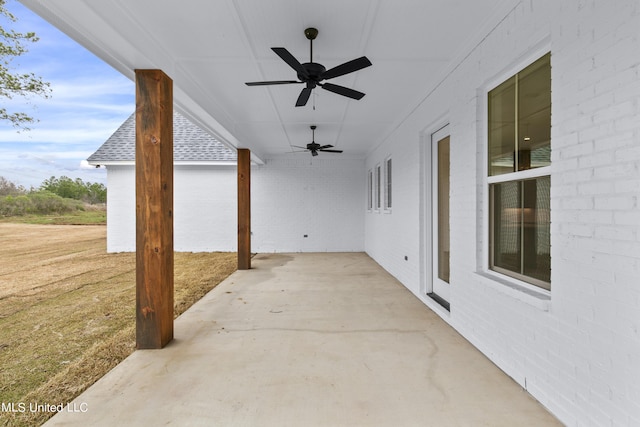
x=154, y=209
x=244, y=209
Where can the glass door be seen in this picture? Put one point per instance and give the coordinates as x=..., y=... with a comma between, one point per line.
x=440, y=194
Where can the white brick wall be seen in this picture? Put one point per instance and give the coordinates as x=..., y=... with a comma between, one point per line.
x=579, y=351
x=205, y=212
x=205, y=208
x=121, y=209
x=322, y=198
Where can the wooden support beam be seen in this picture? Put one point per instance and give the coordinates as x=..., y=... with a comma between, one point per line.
x=244, y=209
x=154, y=209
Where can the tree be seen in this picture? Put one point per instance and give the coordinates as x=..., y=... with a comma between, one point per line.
x=8, y=188
x=13, y=83
x=64, y=187
x=75, y=189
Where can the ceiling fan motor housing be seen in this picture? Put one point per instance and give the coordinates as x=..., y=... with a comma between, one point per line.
x=314, y=71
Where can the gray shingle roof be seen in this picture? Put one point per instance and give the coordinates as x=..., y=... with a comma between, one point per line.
x=190, y=144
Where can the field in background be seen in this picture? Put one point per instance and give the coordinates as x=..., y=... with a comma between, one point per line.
x=67, y=309
x=91, y=215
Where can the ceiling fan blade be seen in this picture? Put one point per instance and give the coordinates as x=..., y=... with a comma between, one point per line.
x=325, y=147
x=341, y=90
x=274, y=82
x=291, y=60
x=297, y=146
x=304, y=97
x=330, y=151
x=314, y=153
x=347, y=67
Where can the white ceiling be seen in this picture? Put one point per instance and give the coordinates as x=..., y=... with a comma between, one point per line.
x=211, y=47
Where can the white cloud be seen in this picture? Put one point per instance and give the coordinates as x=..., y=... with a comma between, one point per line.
x=92, y=87
x=89, y=101
x=90, y=132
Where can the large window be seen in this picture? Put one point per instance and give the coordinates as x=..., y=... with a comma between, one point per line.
x=519, y=182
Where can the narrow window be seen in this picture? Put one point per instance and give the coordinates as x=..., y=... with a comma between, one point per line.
x=370, y=190
x=443, y=189
x=378, y=187
x=519, y=153
x=387, y=184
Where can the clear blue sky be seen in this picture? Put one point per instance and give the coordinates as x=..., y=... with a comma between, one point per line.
x=89, y=100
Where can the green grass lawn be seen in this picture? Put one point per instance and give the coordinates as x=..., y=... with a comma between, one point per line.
x=87, y=217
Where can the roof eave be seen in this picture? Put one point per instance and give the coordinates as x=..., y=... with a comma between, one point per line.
x=175, y=163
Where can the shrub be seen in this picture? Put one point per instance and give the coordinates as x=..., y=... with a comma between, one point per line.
x=14, y=205
x=39, y=203
x=44, y=202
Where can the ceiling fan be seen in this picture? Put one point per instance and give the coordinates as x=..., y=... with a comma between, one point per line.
x=314, y=147
x=312, y=74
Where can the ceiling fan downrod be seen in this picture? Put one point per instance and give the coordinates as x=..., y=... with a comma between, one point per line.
x=311, y=34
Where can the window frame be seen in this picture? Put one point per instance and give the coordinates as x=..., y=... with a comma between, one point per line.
x=520, y=280
x=370, y=190
x=377, y=184
x=532, y=281
x=388, y=182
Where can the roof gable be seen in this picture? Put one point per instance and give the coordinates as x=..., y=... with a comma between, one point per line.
x=190, y=144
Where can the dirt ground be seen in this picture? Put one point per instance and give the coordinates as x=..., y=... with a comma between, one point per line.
x=67, y=308
x=34, y=258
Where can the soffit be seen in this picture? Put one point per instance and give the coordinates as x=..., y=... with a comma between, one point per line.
x=211, y=47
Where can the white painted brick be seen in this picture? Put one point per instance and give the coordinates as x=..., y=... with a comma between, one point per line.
x=601, y=130
x=575, y=176
x=121, y=209
x=616, y=141
x=204, y=209
x=626, y=248
x=595, y=217
x=323, y=199
x=618, y=170
x=579, y=150
x=613, y=233
x=627, y=218
x=597, y=159
x=626, y=123
x=628, y=154
x=564, y=191
x=620, y=109
x=615, y=203
x=577, y=230
x=577, y=355
x=630, y=185
x=595, y=187
x=290, y=198
x=624, y=264
x=569, y=203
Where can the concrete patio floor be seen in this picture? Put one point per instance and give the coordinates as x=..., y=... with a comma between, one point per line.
x=308, y=340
